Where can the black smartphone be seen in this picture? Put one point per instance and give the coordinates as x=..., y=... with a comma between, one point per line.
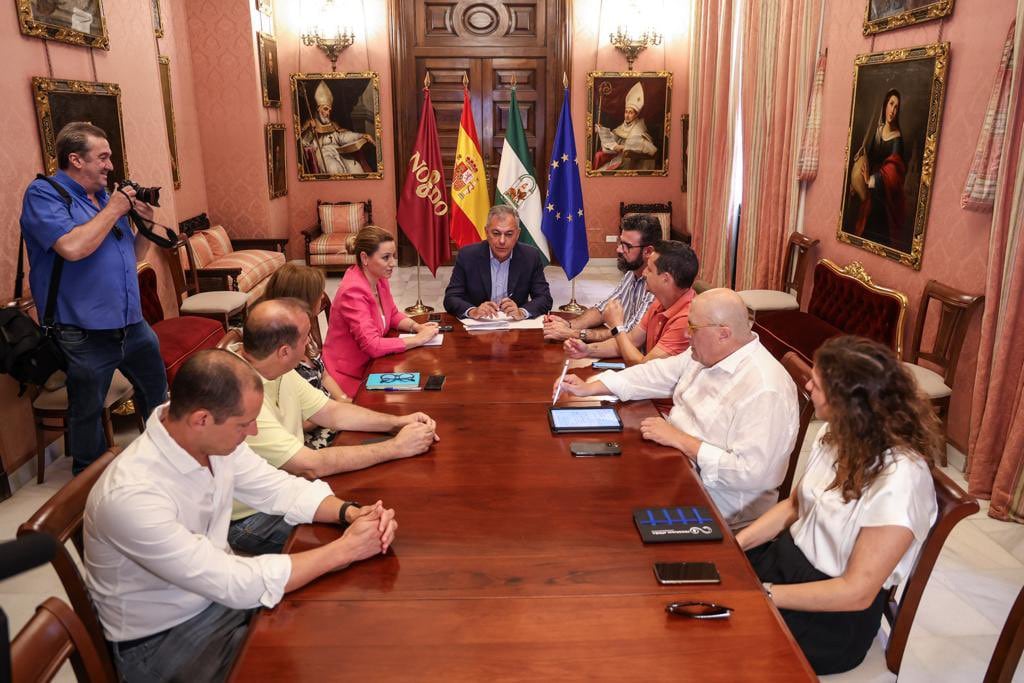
x=608, y=365
x=593, y=448
x=444, y=328
x=686, y=572
x=434, y=318
x=434, y=383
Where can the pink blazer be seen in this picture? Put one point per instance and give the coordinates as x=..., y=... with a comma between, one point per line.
x=355, y=333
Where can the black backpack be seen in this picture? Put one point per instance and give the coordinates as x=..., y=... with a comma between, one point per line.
x=28, y=352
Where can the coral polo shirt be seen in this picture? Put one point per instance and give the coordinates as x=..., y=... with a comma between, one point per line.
x=667, y=328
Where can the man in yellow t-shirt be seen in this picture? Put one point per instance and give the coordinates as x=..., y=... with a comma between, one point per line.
x=273, y=342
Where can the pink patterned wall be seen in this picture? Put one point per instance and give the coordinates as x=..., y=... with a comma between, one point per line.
x=131, y=63
x=956, y=241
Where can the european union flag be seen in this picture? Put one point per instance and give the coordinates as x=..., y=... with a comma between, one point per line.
x=563, y=222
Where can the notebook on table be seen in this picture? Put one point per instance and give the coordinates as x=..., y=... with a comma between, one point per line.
x=393, y=381
x=670, y=523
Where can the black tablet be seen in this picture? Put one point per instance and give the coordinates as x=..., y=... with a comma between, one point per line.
x=570, y=420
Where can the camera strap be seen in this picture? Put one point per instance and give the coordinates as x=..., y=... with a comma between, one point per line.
x=146, y=231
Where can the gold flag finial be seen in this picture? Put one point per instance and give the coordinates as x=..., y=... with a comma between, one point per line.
x=465, y=81
x=513, y=81
x=565, y=80
x=426, y=80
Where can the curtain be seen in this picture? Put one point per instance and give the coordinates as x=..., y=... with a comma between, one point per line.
x=780, y=41
x=712, y=119
x=996, y=445
x=810, y=149
x=980, y=188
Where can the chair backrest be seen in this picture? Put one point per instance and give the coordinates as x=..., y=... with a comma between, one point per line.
x=61, y=518
x=663, y=212
x=232, y=336
x=954, y=504
x=186, y=280
x=325, y=308
x=1009, y=646
x=795, y=266
x=149, y=293
x=949, y=336
x=49, y=639
x=800, y=371
x=345, y=225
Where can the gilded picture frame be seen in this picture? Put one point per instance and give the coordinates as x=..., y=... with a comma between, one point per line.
x=158, y=19
x=270, y=74
x=886, y=15
x=172, y=136
x=84, y=24
x=277, y=176
x=895, y=119
x=59, y=102
x=336, y=119
x=624, y=144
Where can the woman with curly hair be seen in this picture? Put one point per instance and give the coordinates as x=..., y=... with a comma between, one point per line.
x=855, y=522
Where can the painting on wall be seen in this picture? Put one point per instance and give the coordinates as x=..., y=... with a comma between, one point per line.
x=158, y=20
x=628, y=123
x=270, y=75
x=172, y=138
x=890, y=156
x=79, y=22
x=337, y=125
x=59, y=102
x=885, y=15
x=276, y=176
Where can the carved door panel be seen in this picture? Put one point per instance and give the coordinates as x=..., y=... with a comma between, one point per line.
x=490, y=43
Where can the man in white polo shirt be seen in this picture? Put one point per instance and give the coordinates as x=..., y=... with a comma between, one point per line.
x=173, y=600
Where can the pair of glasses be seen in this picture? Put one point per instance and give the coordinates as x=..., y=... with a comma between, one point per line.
x=693, y=328
x=398, y=377
x=698, y=610
x=627, y=246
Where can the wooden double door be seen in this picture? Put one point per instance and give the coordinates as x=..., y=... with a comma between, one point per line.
x=493, y=45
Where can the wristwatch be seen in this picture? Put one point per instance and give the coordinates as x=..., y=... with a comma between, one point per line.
x=615, y=330
x=344, y=508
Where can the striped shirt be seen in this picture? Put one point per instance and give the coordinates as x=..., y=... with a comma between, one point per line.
x=633, y=295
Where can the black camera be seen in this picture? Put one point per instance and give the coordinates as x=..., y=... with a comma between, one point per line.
x=146, y=195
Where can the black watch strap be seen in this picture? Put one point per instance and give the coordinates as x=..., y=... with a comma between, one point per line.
x=615, y=330
x=344, y=508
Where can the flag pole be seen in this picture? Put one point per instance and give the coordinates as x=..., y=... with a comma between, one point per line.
x=572, y=306
x=419, y=308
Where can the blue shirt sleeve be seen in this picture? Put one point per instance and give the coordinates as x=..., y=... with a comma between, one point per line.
x=44, y=215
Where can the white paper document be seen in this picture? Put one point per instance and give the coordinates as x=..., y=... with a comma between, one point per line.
x=502, y=322
x=436, y=341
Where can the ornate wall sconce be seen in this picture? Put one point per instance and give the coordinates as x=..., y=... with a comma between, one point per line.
x=631, y=44
x=328, y=31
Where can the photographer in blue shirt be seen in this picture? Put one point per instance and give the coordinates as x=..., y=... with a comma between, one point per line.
x=98, y=314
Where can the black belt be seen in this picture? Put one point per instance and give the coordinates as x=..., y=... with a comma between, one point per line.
x=125, y=645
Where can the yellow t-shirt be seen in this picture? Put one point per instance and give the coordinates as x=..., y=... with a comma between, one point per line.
x=287, y=402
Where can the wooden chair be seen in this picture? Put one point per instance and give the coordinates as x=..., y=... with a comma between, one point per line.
x=1009, y=646
x=663, y=212
x=335, y=221
x=955, y=307
x=222, y=306
x=800, y=371
x=61, y=518
x=325, y=308
x=954, y=505
x=49, y=639
x=794, y=269
x=50, y=414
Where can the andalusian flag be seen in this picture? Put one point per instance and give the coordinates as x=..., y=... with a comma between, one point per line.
x=517, y=182
x=469, y=184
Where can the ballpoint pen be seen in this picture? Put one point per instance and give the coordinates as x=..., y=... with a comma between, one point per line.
x=558, y=387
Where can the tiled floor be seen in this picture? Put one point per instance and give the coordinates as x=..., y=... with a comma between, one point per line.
x=975, y=580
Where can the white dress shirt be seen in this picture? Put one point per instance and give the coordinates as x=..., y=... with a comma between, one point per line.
x=744, y=411
x=156, y=527
x=827, y=528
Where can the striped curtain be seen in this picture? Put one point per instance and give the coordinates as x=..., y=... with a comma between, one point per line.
x=807, y=164
x=712, y=119
x=779, y=44
x=980, y=189
x=996, y=446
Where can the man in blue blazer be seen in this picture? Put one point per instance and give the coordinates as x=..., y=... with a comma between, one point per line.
x=499, y=274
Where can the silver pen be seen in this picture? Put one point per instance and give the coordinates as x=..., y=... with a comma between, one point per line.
x=558, y=387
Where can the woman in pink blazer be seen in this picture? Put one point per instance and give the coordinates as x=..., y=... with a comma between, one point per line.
x=363, y=312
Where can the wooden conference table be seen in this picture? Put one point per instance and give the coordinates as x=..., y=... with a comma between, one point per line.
x=513, y=559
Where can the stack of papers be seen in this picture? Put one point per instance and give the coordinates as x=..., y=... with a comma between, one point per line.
x=436, y=341
x=501, y=321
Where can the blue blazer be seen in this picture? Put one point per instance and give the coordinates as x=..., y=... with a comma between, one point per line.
x=471, y=280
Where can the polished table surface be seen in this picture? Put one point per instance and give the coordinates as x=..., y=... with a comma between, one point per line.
x=513, y=559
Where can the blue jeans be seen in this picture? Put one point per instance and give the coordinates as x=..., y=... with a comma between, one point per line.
x=259, y=534
x=92, y=356
x=198, y=650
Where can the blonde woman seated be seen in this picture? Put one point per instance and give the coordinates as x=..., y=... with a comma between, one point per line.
x=855, y=522
x=363, y=312
x=307, y=284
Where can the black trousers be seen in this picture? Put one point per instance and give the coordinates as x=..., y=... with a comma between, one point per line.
x=833, y=642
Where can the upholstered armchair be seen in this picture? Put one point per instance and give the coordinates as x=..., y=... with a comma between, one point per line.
x=325, y=241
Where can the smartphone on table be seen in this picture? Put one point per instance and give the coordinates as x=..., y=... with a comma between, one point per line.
x=672, y=573
x=594, y=448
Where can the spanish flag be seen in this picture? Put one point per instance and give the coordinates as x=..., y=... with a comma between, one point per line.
x=469, y=183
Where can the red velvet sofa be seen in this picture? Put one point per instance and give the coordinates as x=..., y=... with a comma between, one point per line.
x=843, y=301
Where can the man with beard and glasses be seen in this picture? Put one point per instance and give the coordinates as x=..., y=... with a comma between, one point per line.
x=662, y=332
x=637, y=236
